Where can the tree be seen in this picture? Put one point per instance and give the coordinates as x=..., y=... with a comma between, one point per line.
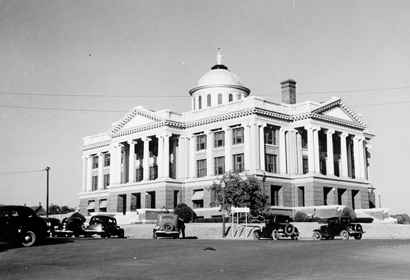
x=237, y=191
x=185, y=212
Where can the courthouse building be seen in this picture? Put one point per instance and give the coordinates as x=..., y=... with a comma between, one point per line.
x=304, y=154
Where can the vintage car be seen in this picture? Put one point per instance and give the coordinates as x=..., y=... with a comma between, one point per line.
x=71, y=226
x=20, y=225
x=277, y=226
x=53, y=224
x=167, y=226
x=104, y=226
x=345, y=227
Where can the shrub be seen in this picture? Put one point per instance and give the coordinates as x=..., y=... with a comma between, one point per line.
x=185, y=212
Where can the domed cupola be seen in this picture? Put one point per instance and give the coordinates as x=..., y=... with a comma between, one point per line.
x=216, y=87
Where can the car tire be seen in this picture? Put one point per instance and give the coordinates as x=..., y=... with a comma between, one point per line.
x=289, y=229
x=256, y=235
x=358, y=236
x=317, y=235
x=275, y=234
x=29, y=238
x=344, y=234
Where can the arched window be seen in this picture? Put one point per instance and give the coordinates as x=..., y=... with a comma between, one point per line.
x=199, y=102
x=219, y=98
x=208, y=100
x=230, y=97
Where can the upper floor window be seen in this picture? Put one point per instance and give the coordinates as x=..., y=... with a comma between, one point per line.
x=237, y=135
x=219, y=165
x=219, y=139
x=271, y=136
x=201, y=142
x=94, y=183
x=219, y=98
x=230, y=98
x=208, y=100
x=238, y=163
x=201, y=168
x=106, y=180
x=95, y=162
x=107, y=159
x=199, y=102
x=271, y=163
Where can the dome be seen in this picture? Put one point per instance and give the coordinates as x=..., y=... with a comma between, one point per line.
x=219, y=76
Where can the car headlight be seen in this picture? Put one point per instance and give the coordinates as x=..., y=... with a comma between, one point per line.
x=48, y=224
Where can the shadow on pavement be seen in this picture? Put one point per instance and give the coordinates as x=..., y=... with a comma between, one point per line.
x=4, y=246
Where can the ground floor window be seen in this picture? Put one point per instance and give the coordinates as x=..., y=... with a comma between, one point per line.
x=198, y=198
x=103, y=205
x=135, y=201
x=340, y=193
x=301, y=196
x=91, y=206
x=326, y=192
x=274, y=195
x=151, y=197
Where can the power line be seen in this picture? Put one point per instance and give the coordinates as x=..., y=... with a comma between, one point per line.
x=63, y=109
x=20, y=172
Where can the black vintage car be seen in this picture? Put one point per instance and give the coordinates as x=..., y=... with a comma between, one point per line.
x=104, y=226
x=167, y=226
x=277, y=226
x=345, y=227
x=53, y=225
x=71, y=226
x=20, y=225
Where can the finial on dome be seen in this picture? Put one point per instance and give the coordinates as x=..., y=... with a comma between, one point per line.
x=218, y=56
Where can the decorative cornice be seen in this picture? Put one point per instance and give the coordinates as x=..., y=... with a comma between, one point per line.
x=96, y=145
x=245, y=89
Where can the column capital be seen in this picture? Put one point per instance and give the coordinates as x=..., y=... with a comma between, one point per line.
x=132, y=141
x=312, y=127
x=226, y=128
x=344, y=134
x=146, y=139
x=330, y=131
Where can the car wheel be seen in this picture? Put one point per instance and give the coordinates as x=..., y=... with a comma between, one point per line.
x=344, y=234
x=358, y=236
x=294, y=237
x=317, y=235
x=275, y=234
x=256, y=235
x=29, y=238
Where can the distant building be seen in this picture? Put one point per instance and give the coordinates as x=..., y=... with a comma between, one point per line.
x=306, y=154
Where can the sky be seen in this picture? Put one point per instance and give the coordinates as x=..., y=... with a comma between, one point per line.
x=150, y=53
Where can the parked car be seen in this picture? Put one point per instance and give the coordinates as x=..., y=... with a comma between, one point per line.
x=53, y=224
x=71, y=226
x=338, y=226
x=20, y=225
x=167, y=226
x=277, y=226
x=104, y=226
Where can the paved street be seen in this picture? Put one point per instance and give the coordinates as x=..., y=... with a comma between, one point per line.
x=208, y=259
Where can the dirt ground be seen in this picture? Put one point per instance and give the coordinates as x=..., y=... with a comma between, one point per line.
x=208, y=259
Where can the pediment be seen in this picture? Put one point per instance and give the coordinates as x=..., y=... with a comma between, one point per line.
x=337, y=112
x=137, y=117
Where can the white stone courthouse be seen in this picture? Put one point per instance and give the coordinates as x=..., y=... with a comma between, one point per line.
x=304, y=154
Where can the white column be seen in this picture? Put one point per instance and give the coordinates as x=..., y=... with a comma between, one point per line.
x=84, y=173
x=316, y=150
x=115, y=163
x=209, y=154
x=343, y=155
x=131, y=162
x=179, y=157
x=282, y=150
x=192, y=158
x=100, y=171
x=311, y=150
x=291, y=151
x=357, y=154
x=145, y=160
x=228, y=149
x=88, y=173
x=254, y=149
x=366, y=149
x=329, y=158
x=262, y=147
x=299, y=153
x=246, y=147
x=165, y=156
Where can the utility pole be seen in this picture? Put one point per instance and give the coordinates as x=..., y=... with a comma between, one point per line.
x=223, y=209
x=47, y=169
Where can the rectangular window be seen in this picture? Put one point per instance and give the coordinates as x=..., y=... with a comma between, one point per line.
x=340, y=193
x=271, y=163
x=271, y=136
x=305, y=163
x=95, y=162
x=139, y=174
x=326, y=192
x=301, y=196
x=274, y=195
x=135, y=201
x=200, y=142
x=198, y=198
x=238, y=163
x=94, y=183
x=219, y=139
x=107, y=159
x=201, y=168
x=176, y=198
x=106, y=180
x=237, y=136
x=219, y=165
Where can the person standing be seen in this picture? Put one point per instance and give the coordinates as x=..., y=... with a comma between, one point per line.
x=181, y=227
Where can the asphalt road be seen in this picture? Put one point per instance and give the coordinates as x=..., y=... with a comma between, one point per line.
x=208, y=259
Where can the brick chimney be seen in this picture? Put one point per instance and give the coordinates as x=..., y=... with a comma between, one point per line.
x=288, y=91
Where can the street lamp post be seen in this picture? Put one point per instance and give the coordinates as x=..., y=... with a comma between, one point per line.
x=223, y=209
x=47, y=169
